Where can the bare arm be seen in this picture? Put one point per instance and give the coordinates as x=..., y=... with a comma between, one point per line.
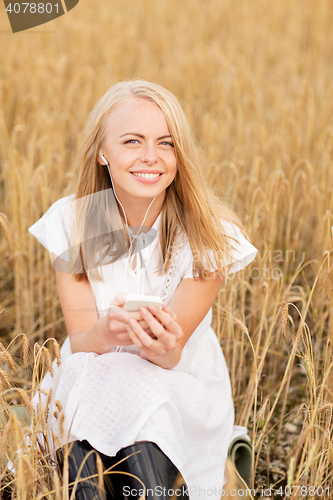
x=87, y=332
x=192, y=301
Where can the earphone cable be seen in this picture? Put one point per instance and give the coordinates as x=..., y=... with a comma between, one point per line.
x=130, y=237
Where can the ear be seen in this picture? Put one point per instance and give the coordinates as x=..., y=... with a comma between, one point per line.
x=100, y=159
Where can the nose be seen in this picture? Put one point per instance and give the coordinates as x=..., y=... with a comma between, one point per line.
x=149, y=155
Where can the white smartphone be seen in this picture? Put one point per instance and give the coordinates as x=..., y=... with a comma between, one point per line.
x=134, y=301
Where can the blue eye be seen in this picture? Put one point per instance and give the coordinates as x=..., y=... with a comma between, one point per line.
x=135, y=140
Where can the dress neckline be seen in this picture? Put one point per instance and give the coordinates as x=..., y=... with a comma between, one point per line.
x=149, y=249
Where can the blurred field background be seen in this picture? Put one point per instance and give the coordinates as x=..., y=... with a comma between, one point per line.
x=256, y=82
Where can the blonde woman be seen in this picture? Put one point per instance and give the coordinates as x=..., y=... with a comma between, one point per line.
x=142, y=220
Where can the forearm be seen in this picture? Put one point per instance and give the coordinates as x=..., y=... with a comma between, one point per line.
x=88, y=340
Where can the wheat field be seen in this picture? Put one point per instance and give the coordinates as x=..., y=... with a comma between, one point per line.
x=256, y=82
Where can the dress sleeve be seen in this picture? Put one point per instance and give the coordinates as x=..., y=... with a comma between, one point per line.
x=54, y=228
x=243, y=254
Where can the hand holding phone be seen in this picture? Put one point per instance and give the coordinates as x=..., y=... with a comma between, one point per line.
x=134, y=301
x=117, y=318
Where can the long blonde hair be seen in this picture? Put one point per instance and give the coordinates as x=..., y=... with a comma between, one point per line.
x=190, y=202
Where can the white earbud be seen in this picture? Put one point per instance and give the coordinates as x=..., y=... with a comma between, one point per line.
x=103, y=158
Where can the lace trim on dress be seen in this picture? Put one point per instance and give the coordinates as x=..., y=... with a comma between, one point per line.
x=181, y=242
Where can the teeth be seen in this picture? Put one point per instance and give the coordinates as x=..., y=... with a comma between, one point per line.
x=146, y=176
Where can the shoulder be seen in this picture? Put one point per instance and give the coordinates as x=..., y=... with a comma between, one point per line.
x=237, y=238
x=58, y=210
x=61, y=208
x=61, y=205
x=231, y=229
x=53, y=229
x=242, y=251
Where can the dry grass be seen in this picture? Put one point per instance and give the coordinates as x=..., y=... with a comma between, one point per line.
x=255, y=79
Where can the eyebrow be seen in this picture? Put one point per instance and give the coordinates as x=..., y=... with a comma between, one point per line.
x=142, y=136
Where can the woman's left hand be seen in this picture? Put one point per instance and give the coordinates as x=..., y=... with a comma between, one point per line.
x=161, y=350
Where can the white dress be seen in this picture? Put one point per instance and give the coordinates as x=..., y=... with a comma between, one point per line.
x=115, y=399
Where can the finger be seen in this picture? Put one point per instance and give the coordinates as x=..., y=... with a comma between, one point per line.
x=118, y=313
x=119, y=299
x=167, y=335
x=149, y=331
x=167, y=321
x=134, y=337
x=122, y=339
x=155, y=325
x=144, y=325
x=124, y=336
x=170, y=311
x=143, y=340
x=118, y=328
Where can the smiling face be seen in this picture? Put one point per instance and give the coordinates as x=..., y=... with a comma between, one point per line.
x=140, y=151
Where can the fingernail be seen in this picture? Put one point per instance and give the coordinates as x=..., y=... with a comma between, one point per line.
x=131, y=322
x=143, y=311
x=153, y=309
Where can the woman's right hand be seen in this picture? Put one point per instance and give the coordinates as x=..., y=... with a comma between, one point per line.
x=113, y=330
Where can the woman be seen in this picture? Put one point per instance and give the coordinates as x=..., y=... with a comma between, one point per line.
x=143, y=219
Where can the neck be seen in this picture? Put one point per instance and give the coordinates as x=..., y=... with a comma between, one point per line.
x=136, y=210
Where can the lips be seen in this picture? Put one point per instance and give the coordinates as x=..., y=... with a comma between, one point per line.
x=147, y=178
x=147, y=175
x=146, y=172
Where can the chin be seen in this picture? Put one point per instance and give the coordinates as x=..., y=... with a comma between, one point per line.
x=151, y=194
x=148, y=190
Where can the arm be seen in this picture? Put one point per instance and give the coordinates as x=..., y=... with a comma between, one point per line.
x=79, y=310
x=192, y=301
x=87, y=332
